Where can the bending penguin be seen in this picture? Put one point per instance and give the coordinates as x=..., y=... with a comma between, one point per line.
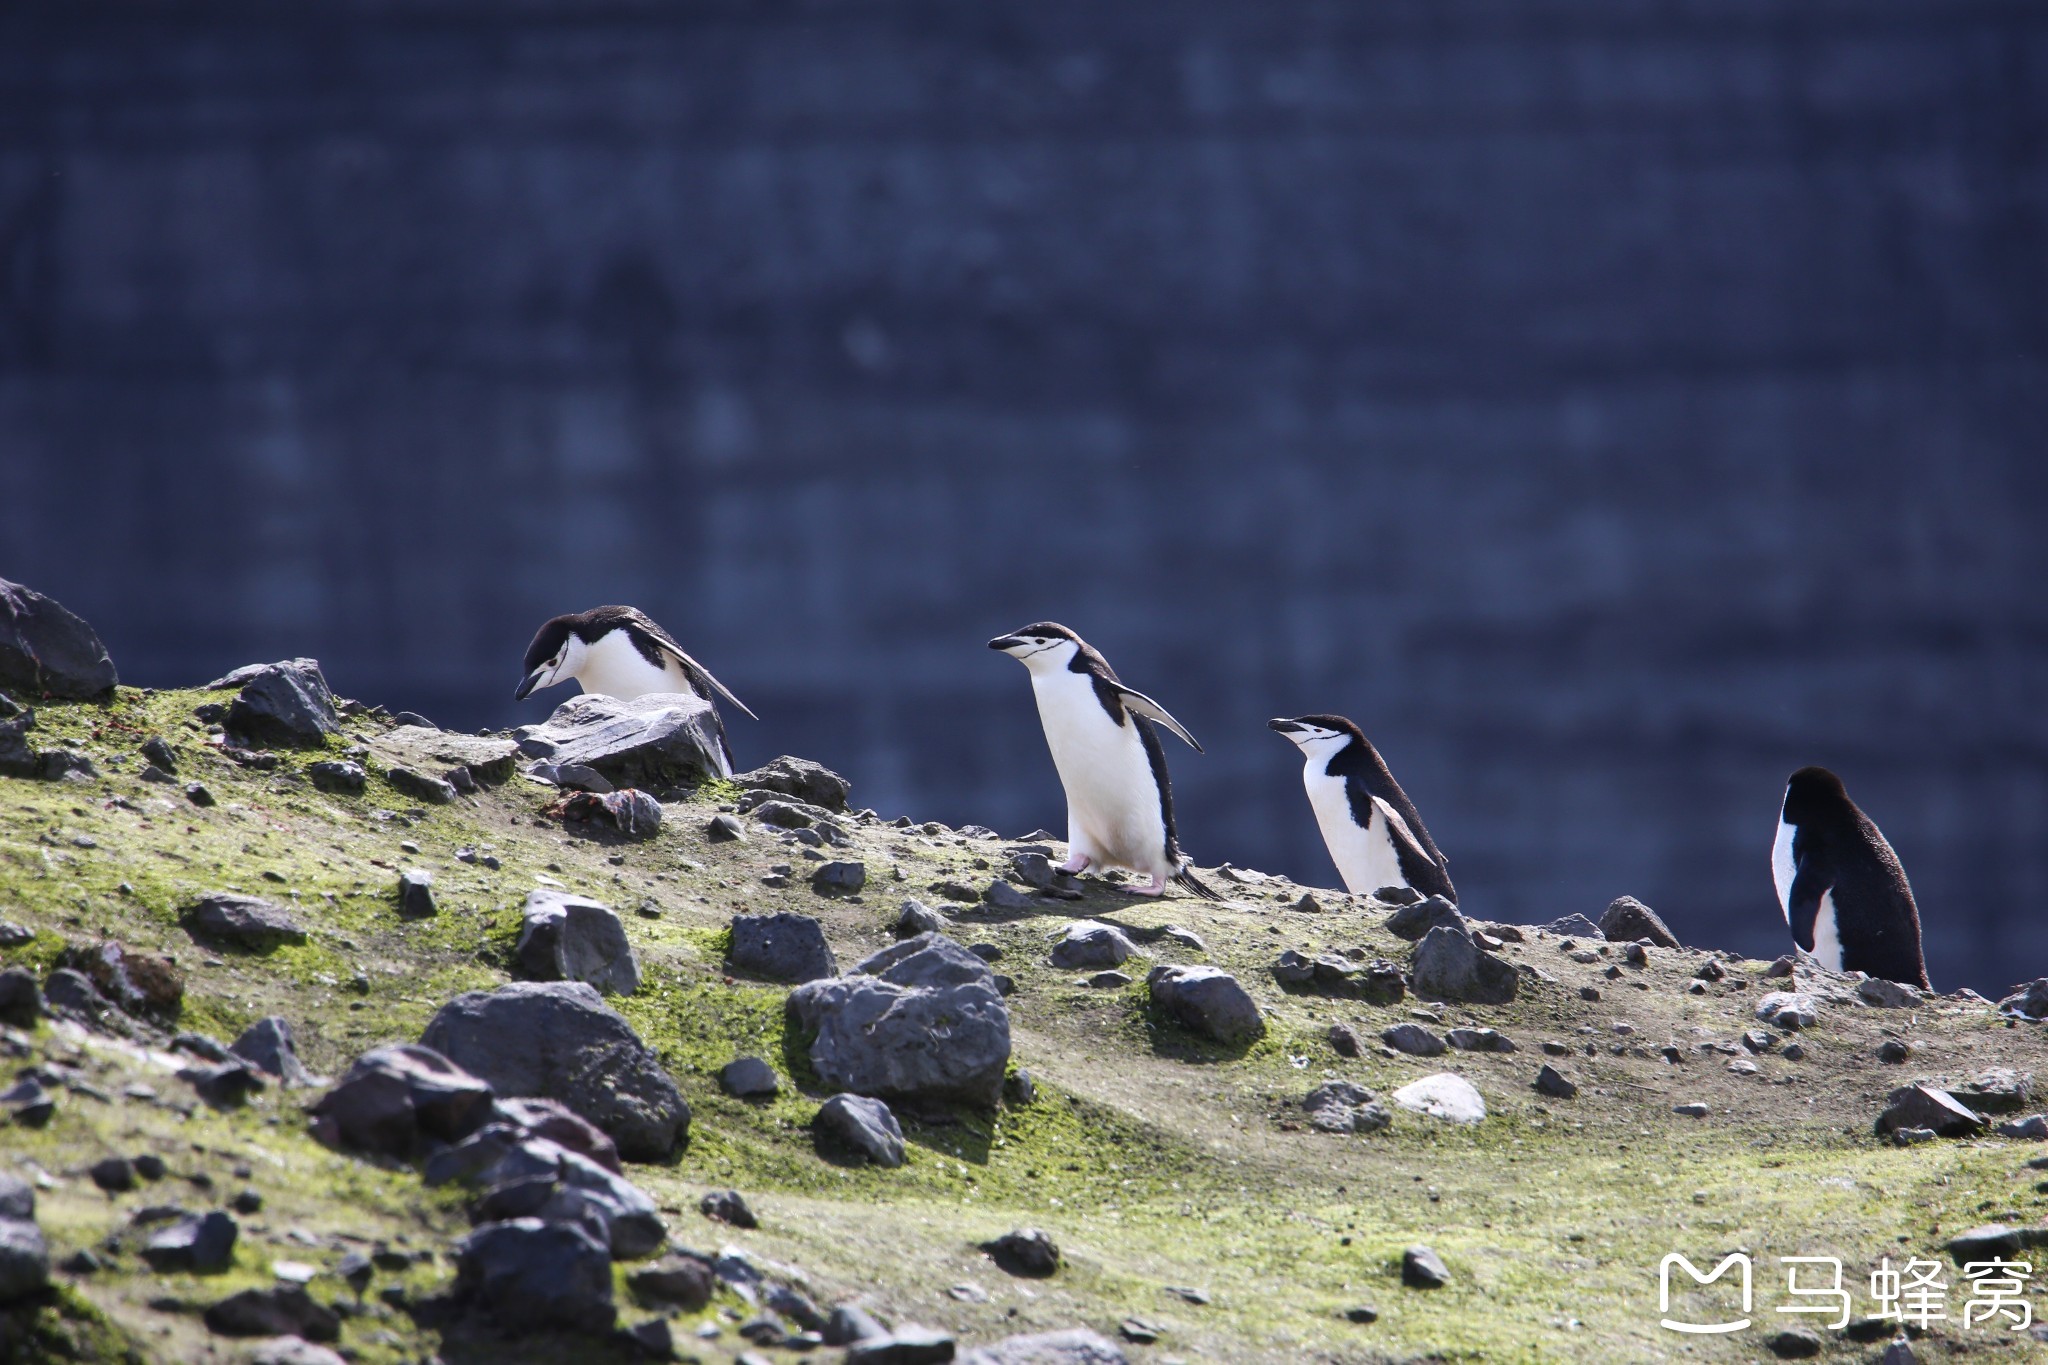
x=1840, y=886
x=1119, y=803
x=621, y=652
x=1373, y=832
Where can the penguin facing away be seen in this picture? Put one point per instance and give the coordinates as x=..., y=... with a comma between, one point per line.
x=1119, y=802
x=1373, y=832
x=1840, y=886
x=621, y=652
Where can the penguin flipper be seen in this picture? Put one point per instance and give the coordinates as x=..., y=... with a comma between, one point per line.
x=1802, y=905
x=1186, y=878
x=1424, y=873
x=1141, y=705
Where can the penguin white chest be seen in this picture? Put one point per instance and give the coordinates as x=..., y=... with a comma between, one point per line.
x=1113, y=813
x=1365, y=855
x=1783, y=869
x=612, y=667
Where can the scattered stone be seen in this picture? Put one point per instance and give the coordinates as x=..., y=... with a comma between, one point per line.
x=725, y=828
x=1139, y=1331
x=198, y=794
x=1109, y=980
x=812, y=783
x=558, y=1040
x=684, y=1282
x=1795, y=1343
x=1413, y=1039
x=728, y=1206
x=1449, y=966
x=17, y=1198
x=1091, y=943
x=1075, y=1346
x=21, y=1001
x=1343, y=1107
x=114, y=1174
x=565, y=937
x=1711, y=970
x=1422, y=1268
x=230, y=919
x=1792, y=1052
x=849, y=1324
x=1000, y=895
x=2001, y=1090
x=628, y=812
x=201, y=1244
x=1788, y=1010
x=394, y=1097
x=558, y=1124
x=136, y=983
x=1573, y=926
x=1308, y=904
x=1480, y=1040
x=1026, y=1251
x=1923, y=1106
x=285, y=704
x=1892, y=1052
x=1019, y=1089
x=287, y=1310
x=840, y=878
x=1207, y=1001
x=1692, y=1110
x=1780, y=967
x=416, y=894
x=909, y=1344
x=1627, y=919
x=28, y=1104
x=2029, y=1000
x=748, y=1078
x=14, y=935
x=922, y=1019
x=69, y=991
x=2033, y=1128
x=782, y=947
x=268, y=1044
x=528, y=1273
x=1550, y=1081
x=1445, y=1096
x=1991, y=1240
x=1363, y=1313
x=338, y=776
x=24, y=1260
x=918, y=918
x=862, y=1125
x=49, y=651
x=1890, y=995
x=1415, y=920
x=224, y=1085
x=656, y=741
x=1343, y=1040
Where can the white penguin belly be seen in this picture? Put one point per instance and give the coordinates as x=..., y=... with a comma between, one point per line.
x=1112, y=801
x=1827, y=936
x=614, y=668
x=1783, y=870
x=1365, y=858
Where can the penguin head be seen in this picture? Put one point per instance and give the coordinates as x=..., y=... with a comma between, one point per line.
x=1041, y=647
x=556, y=655
x=1812, y=795
x=1318, y=737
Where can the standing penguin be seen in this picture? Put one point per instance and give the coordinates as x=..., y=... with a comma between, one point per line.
x=1119, y=803
x=1840, y=886
x=1373, y=832
x=621, y=652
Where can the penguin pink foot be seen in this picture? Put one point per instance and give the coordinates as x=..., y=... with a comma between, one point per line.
x=1155, y=887
x=1075, y=865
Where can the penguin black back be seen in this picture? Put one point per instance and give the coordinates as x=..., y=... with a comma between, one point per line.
x=1844, y=895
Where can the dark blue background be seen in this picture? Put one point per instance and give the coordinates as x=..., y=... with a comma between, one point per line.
x=1612, y=406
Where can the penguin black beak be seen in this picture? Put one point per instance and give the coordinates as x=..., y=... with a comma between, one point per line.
x=529, y=682
x=1006, y=643
x=1285, y=727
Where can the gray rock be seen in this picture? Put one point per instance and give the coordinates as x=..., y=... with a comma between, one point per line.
x=21, y=1000
x=1378, y=982
x=1000, y=895
x=1019, y=1089
x=487, y=760
x=28, y=1104
x=574, y=777
x=1480, y=1040
x=1344, y=1040
x=280, y=1311
x=560, y=1125
x=748, y=1077
x=725, y=828
x=114, y=1174
x=47, y=650
x=1345, y=1107
x=1075, y=1346
x=1035, y=870
x=1627, y=919
x=268, y=1043
x=231, y=919
x=563, y=937
x=201, y=1244
x=782, y=947
x=1206, y=1001
x=420, y=786
x=1444, y=1096
x=2000, y=1090
x=663, y=739
x=1574, y=926
x=526, y=1273
x=850, y=1323
x=1091, y=943
x=628, y=812
x=1550, y=1081
x=1413, y=1039
x=2033, y=1128
x=416, y=894
x=1422, y=1268
x=1892, y=1052
x=2028, y=1000
x=1789, y=1010
x=533, y=1177
x=558, y=1040
x=839, y=878
x=783, y=814
x=72, y=992
x=1025, y=1251
x=728, y=1206
x=809, y=782
x=14, y=935
x=395, y=1097
x=17, y=1198
x=1693, y=1110
x=922, y=1019
x=1414, y=920
x=685, y=1282
x=293, y=1351
x=862, y=1125
x=918, y=918
x=909, y=1344
x=1449, y=966
x=283, y=704
x=1794, y=1343
x=24, y=1259
x=1109, y=980
x=338, y=776
x=1924, y=1106
x=1890, y=995
x=1984, y=1243
x=224, y=1085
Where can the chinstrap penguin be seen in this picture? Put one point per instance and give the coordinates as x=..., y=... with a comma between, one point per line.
x=1840, y=886
x=621, y=652
x=1373, y=832
x=1119, y=802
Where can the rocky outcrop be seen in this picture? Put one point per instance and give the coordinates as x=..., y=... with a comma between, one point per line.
x=285, y=704
x=49, y=651
x=657, y=741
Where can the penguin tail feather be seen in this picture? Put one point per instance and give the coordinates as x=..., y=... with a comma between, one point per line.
x=1186, y=877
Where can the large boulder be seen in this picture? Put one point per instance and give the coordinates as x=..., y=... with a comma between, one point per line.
x=861, y=1126
x=286, y=703
x=921, y=1019
x=46, y=650
x=1208, y=1001
x=659, y=740
x=526, y=1273
x=230, y=919
x=783, y=947
x=573, y=938
x=396, y=1097
x=558, y=1040
x=1445, y=1095
x=1627, y=919
x=812, y=783
x=1449, y=966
